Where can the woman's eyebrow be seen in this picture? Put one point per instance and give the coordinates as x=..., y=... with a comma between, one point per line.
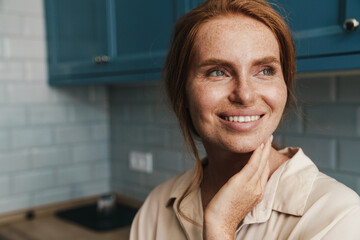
x=215, y=61
x=266, y=60
x=256, y=62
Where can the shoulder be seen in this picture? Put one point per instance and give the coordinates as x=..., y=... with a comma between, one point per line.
x=332, y=209
x=332, y=195
x=325, y=187
x=326, y=208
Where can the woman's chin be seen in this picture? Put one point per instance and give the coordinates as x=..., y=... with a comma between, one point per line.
x=243, y=148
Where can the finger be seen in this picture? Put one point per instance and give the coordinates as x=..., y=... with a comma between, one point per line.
x=264, y=157
x=254, y=162
x=264, y=177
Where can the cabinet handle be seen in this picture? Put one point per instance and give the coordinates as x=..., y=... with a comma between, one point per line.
x=105, y=59
x=351, y=24
x=101, y=59
x=97, y=60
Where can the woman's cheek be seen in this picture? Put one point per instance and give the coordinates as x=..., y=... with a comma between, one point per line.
x=276, y=97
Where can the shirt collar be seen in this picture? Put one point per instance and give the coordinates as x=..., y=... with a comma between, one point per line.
x=286, y=191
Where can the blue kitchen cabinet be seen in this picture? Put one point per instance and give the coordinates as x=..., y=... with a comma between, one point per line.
x=109, y=41
x=321, y=40
x=76, y=34
x=113, y=41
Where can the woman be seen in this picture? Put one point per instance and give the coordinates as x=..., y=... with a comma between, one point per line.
x=229, y=76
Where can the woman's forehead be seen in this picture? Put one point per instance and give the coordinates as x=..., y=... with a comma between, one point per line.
x=235, y=35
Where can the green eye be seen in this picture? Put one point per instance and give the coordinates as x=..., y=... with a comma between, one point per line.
x=217, y=73
x=266, y=72
x=220, y=73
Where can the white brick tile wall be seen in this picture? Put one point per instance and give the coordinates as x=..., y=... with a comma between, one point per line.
x=152, y=180
x=10, y=24
x=163, y=115
x=12, y=161
x=349, y=88
x=86, y=113
x=4, y=185
x=35, y=71
x=1, y=48
x=125, y=133
x=176, y=138
x=291, y=123
x=41, y=126
x=47, y=114
x=349, y=155
x=358, y=121
x=331, y=120
x=100, y=131
x=101, y=170
x=51, y=156
x=155, y=135
x=92, y=188
x=31, y=137
x=11, y=71
x=33, y=26
x=68, y=94
x=22, y=7
x=52, y=195
x=120, y=114
x=3, y=97
x=12, y=116
x=141, y=113
x=73, y=174
x=20, y=48
x=98, y=94
x=72, y=134
x=4, y=139
x=28, y=93
x=90, y=152
x=323, y=155
x=316, y=89
x=15, y=202
x=28, y=181
x=168, y=160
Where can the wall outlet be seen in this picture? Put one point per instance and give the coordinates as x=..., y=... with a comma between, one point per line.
x=142, y=162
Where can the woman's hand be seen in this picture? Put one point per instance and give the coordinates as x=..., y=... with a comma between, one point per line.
x=238, y=196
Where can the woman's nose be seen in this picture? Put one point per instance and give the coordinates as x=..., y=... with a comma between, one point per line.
x=242, y=92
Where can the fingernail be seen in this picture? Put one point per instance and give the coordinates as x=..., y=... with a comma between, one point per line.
x=262, y=146
x=271, y=138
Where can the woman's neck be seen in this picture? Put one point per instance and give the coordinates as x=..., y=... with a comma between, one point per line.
x=219, y=169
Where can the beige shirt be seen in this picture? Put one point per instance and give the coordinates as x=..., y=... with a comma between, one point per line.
x=299, y=203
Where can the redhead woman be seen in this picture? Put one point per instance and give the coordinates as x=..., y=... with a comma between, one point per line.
x=229, y=75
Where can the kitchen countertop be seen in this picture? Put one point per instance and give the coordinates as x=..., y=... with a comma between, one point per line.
x=44, y=225
x=53, y=228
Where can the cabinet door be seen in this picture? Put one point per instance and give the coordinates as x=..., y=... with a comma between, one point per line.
x=142, y=32
x=77, y=32
x=318, y=26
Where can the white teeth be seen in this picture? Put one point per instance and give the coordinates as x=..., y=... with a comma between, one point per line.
x=242, y=118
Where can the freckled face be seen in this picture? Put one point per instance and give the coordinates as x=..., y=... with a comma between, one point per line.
x=235, y=88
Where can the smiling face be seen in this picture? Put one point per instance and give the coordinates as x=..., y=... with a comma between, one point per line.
x=235, y=89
